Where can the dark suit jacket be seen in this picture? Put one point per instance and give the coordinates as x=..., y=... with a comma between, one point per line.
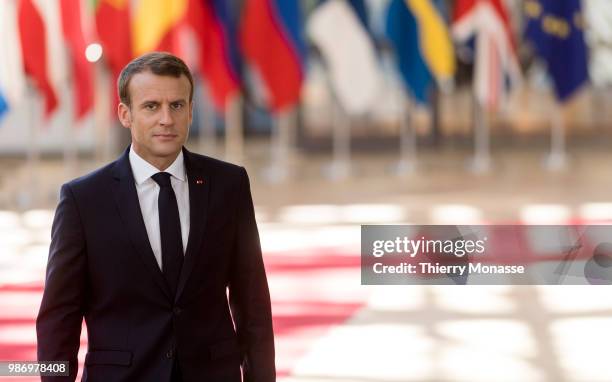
x=101, y=268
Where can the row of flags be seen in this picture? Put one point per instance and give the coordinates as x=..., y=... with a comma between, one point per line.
x=263, y=42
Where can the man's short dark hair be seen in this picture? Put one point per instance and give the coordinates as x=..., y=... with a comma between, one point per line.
x=159, y=63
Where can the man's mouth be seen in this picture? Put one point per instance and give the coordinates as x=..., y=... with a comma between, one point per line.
x=165, y=136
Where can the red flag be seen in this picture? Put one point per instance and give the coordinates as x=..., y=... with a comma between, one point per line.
x=271, y=40
x=114, y=32
x=32, y=33
x=81, y=68
x=210, y=21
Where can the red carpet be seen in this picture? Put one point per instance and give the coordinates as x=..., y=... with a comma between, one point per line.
x=303, y=306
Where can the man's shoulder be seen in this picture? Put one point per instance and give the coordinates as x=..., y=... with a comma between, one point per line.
x=215, y=166
x=227, y=176
x=94, y=179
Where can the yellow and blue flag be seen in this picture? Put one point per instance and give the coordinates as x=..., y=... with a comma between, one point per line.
x=556, y=29
x=422, y=44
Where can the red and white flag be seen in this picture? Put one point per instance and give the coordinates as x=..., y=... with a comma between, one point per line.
x=34, y=47
x=496, y=67
x=82, y=70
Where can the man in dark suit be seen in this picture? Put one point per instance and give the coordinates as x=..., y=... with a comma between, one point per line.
x=146, y=248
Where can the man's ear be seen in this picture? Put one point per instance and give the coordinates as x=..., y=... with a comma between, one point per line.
x=124, y=115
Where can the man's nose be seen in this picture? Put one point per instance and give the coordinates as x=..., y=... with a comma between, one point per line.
x=165, y=117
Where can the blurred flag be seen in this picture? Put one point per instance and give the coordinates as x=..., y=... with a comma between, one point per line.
x=12, y=79
x=3, y=105
x=33, y=35
x=402, y=30
x=496, y=67
x=57, y=53
x=335, y=28
x=556, y=30
x=434, y=38
x=598, y=15
x=82, y=72
x=361, y=10
x=272, y=42
x=154, y=25
x=422, y=45
x=214, y=26
x=115, y=34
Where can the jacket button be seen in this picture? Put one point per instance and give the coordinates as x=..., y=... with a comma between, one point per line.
x=177, y=310
x=170, y=354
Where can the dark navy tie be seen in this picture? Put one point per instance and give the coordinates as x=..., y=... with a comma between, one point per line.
x=170, y=229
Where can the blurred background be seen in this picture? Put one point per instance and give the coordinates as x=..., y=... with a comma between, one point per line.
x=344, y=112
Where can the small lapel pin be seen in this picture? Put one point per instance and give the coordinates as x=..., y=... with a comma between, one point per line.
x=199, y=181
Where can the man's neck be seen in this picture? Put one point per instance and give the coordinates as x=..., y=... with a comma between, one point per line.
x=160, y=163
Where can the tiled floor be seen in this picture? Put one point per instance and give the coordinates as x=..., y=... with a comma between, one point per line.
x=331, y=328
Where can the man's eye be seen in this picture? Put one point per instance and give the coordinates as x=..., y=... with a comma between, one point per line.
x=177, y=105
x=150, y=106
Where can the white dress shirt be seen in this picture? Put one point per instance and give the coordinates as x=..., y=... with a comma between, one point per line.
x=148, y=191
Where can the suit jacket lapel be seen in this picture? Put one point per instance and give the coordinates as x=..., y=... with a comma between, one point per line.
x=199, y=187
x=126, y=197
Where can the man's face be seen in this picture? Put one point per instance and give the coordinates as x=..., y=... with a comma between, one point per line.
x=159, y=116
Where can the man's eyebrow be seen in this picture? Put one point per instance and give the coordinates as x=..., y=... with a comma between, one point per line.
x=155, y=102
x=148, y=101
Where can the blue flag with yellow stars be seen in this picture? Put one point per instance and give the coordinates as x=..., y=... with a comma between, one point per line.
x=556, y=30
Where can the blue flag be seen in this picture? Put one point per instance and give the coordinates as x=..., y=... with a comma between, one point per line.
x=402, y=31
x=557, y=32
x=3, y=106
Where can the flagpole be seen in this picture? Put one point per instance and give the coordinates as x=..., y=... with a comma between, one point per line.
x=69, y=142
x=234, y=141
x=480, y=162
x=207, y=140
x=283, y=129
x=340, y=168
x=29, y=196
x=408, y=144
x=70, y=151
x=102, y=109
x=556, y=160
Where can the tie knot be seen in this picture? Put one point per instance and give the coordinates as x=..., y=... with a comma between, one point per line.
x=162, y=178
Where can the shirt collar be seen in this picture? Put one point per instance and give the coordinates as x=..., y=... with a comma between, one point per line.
x=143, y=170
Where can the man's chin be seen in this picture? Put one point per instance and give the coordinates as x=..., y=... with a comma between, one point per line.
x=166, y=149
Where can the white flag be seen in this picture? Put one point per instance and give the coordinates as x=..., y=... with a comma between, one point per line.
x=598, y=15
x=349, y=54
